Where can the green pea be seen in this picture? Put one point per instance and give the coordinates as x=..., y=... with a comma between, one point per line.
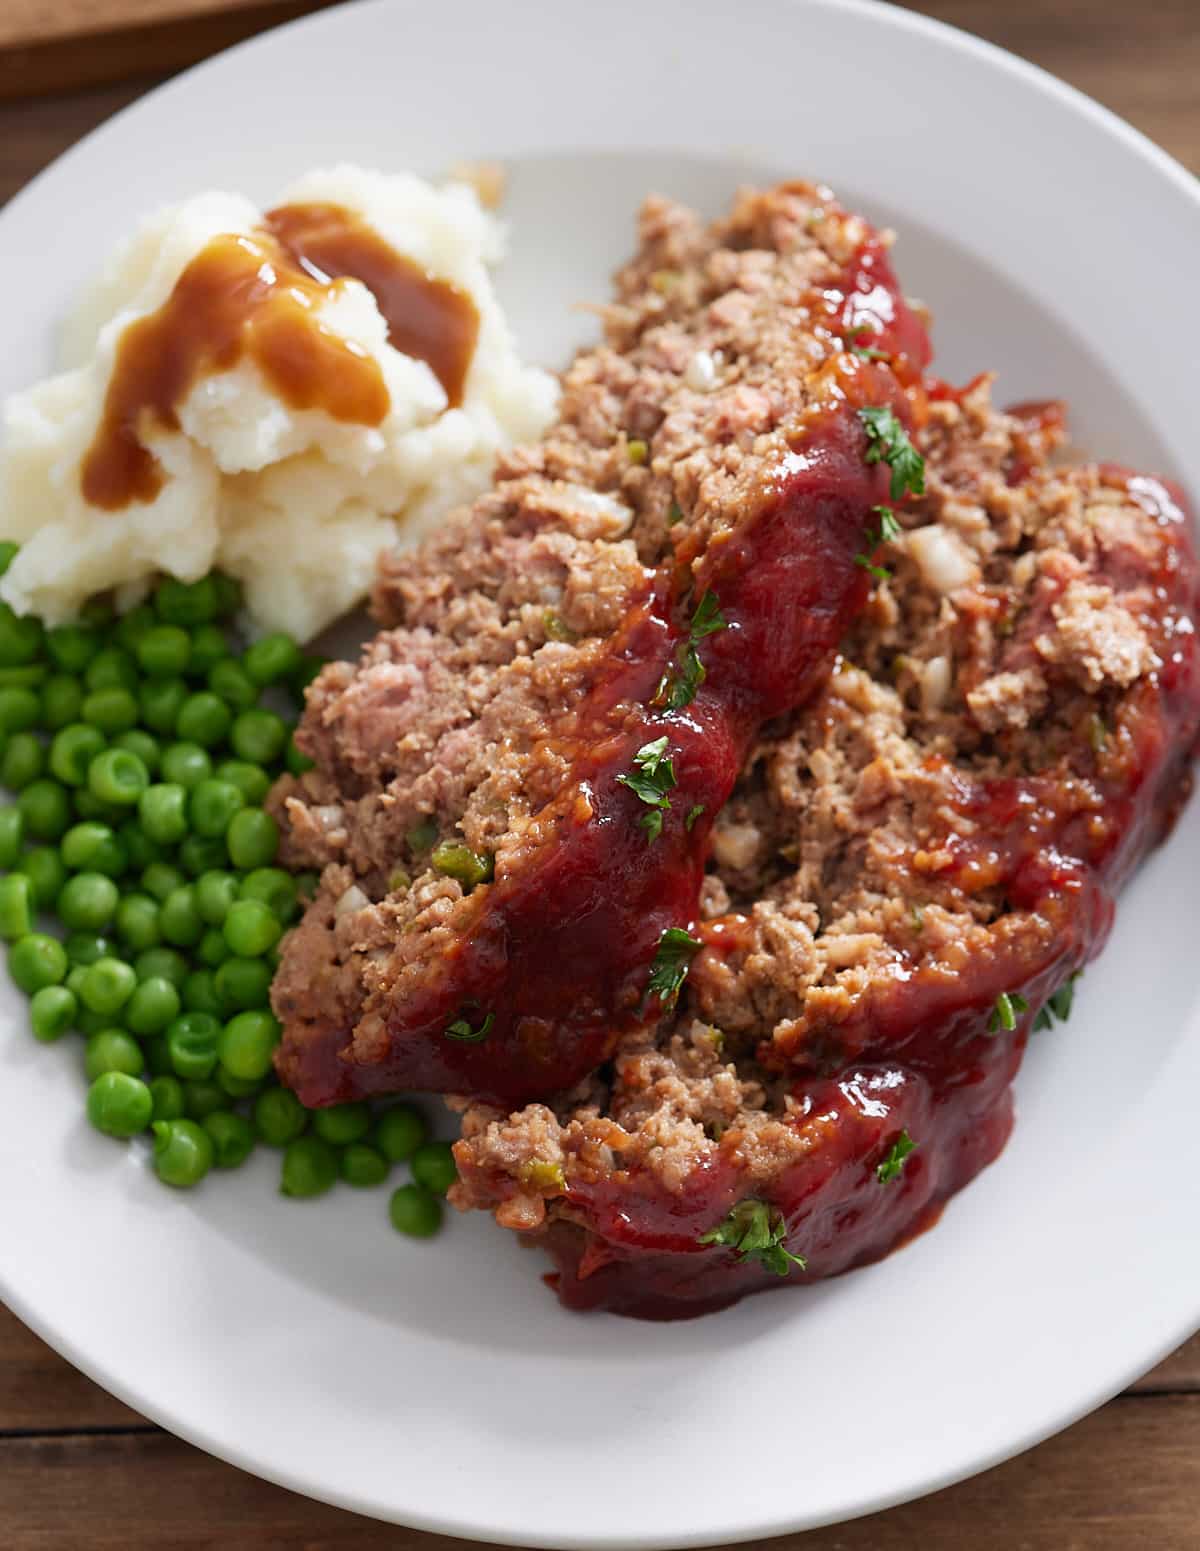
x=167, y=1093
x=342, y=1123
x=92, y=811
x=250, y=928
x=163, y=810
x=143, y=744
x=118, y=777
x=112, y=710
x=72, y=750
x=310, y=1167
x=258, y=736
x=192, y=1044
x=21, y=637
x=252, y=838
x=279, y=1116
x=31, y=677
x=164, y=651
x=179, y=920
x=203, y=853
x=200, y=993
x=243, y=983
x=399, y=1131
x=247, y=1043
x=232, y=683
x=88, y=902
x=74, y=980
x=212, y=950
x=154, y=963
x=35, y=961
x=186, y=764
x=62, y=700
x=153, y=1006
x=362, y=1165
x=433, y=1166
x=133, y=625
x=23, y=761
x=71, y=647
x=295, y=759
x=232, y=1138
x=46, y=809
x=253, y=782
x=158, y=1062
x=187, y=603
x=203, y=1097
x=112, y=1050
x=137, y=922
x=272, y=658
x=44, y=868
x=139, y=848
x=208, y=647
x=215, y=892
x=415, y=1212
x=204, y=719
x=93, y=847
x=112, y=668
x=183, y=1152
x=119, y=1104
x=161, y=880
x=19, y=710
x=212, y=806
x=274, y=888
x=160, y=702
x=84, y=948
x=52, y=1011
x=12, y=835
x=107, y=986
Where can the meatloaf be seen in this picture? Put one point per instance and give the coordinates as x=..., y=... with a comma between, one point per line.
x=910, y=873
x=515, y=787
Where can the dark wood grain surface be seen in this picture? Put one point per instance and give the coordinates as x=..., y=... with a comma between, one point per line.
x=81, y=1472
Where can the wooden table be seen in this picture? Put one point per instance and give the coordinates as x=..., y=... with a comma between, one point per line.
x=81, y=1472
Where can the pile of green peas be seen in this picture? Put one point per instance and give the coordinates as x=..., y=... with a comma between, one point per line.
x=140, y=755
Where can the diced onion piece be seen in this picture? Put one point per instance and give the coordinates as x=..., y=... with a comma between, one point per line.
x=352, y=899
x=943, y=559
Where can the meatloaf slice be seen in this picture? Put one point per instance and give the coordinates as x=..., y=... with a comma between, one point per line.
x=515, y=787
x=911, y=870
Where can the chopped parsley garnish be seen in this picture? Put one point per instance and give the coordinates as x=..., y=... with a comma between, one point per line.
x=651, y=779
x=863, y=352
x=887, y=442
x=756, y=1231
x=674, y=513
x=888, y=530
x=637, y=451
x=462, y=1031
x=678, y=685
x=1097, y=734
x=1004, y=1014
x=693, y=815
x=676, y=950
x=1057, y=1008
x=917, y=916
x=893, y=1165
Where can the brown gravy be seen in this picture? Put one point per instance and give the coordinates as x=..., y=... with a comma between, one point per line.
x=258, y=297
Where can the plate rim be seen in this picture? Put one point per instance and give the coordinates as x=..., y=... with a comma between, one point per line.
x=1187, y=186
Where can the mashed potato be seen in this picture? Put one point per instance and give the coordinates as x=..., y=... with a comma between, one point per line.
x=294, y=503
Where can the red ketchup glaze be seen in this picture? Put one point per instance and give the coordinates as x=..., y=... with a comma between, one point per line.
x=559, y=948
x=919, y=1054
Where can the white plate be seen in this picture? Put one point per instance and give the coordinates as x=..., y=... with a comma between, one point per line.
x=440, y=1385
